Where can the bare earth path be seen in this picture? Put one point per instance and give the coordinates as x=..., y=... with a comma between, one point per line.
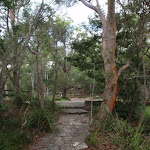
x=72, y=131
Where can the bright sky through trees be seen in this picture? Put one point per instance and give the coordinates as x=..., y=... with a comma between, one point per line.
x=78, y=13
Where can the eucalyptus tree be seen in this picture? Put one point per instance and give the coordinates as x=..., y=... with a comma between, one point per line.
x=67, y=32
x=13, y=32
x=108, y=52
x=40, y=41
x=60, y=33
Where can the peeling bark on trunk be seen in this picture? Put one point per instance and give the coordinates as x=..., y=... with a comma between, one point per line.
x=108, y=54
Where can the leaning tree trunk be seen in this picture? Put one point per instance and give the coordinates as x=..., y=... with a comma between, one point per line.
x=40, y=81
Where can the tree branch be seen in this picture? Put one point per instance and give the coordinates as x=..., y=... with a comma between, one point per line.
x=101, y=14
x=33, y=52
x=89, y=5
x=97, y=9
x=123, y=68
x=145, y=53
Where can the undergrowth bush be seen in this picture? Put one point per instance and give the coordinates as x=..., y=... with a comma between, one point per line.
x=41, y=119
x=92, y=139
x=3, y=107
x=11, y=138
x=147, y=124
x=61, y=99
x=16, y=136
x=119, y=132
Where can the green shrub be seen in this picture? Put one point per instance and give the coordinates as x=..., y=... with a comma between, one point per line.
x=120, y=132
x=61, y=99
x=11, y=138
x=122, y=109
x=40, y=119
x=12, y=135
x=3, y=107
x=148, y=111
x=92, y=139
x=147, y=123
x=14, y=140
x=126, y=135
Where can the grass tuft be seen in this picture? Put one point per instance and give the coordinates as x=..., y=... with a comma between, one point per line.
x=118, y=132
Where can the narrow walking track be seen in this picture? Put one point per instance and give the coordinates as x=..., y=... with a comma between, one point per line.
x=72, y=130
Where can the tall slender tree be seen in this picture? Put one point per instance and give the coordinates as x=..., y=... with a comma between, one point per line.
x=108, y=53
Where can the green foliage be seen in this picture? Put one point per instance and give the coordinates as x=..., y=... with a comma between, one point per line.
x=18, y=101
x=88, y=59
x=3, y=107
x=119, y=132
x=10, y=135
x=40, y=119
x=147, y=121
x=13, y=135
x=96, y=109
x=148, y=110
x=122, y=109
x=92, y=139
x=66, y=2
x=88, y=53
x=127, y=136
x=7, y=3
x=14, y=140
x=61, y=99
